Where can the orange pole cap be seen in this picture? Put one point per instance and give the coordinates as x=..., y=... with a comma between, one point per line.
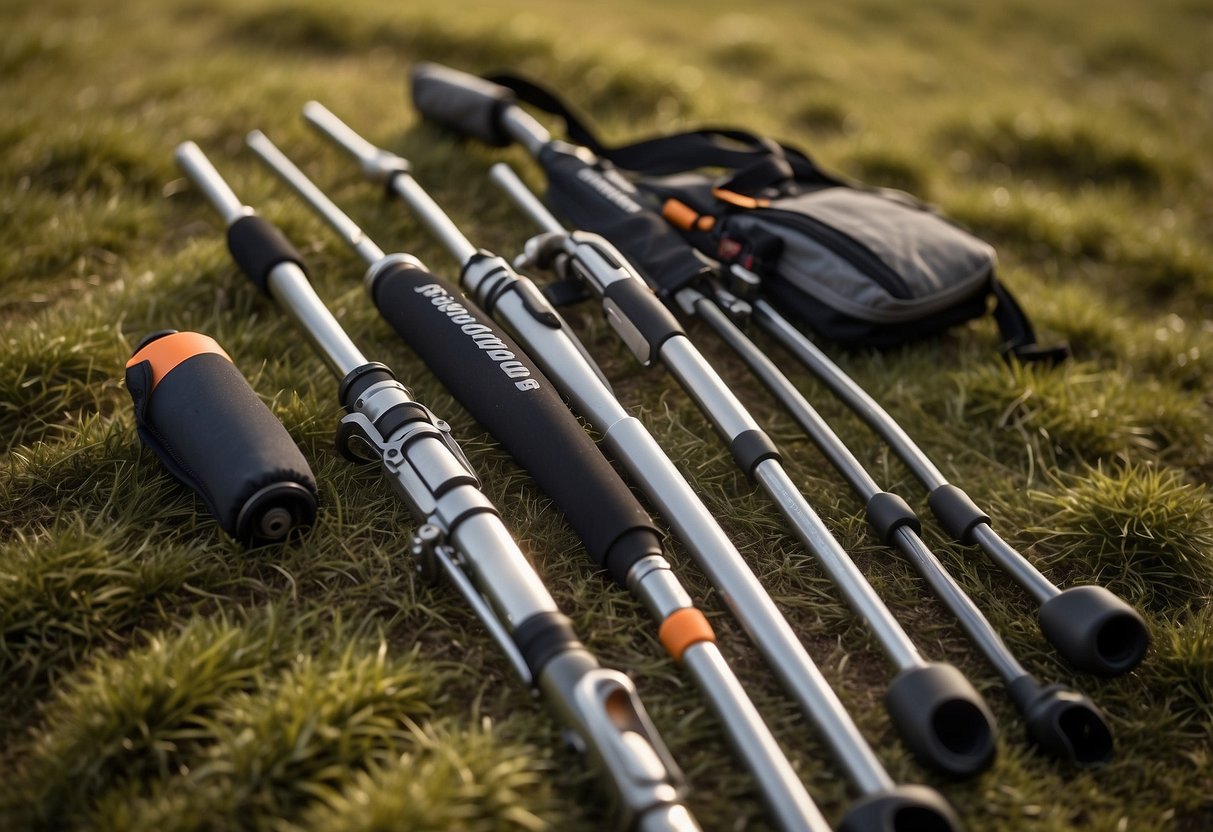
x=683, y=628
x=165, y=353
x=740, y=200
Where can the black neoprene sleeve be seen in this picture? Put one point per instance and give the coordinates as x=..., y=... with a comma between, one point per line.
x=499, y=385
x=212, y=432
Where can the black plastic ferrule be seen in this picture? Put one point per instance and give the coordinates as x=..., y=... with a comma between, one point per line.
x=496, y=280
x=956, y=512
x=887, y=513
x=359, y=380
x=632, y=546
x=1094, y=630
x=397, y=416
x=257, y=246
x=752, y=447
x=645, y=312
x=543, y=637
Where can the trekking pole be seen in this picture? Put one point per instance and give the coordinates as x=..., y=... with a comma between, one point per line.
x=553, y=346
x=526, y=415
x=1091, y=627
x=462, y=535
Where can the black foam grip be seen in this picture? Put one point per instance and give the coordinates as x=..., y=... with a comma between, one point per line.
x=645, y=312
x=257, y=246
x=887, y=513
x=214, y=434
x=750, y=448
x=499, y=385
x=594, y=198
x=463, y=102
x=543, y=637
x=956, y=512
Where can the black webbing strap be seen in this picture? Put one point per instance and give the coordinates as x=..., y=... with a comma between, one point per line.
x=758, y=161
x=1018, y=337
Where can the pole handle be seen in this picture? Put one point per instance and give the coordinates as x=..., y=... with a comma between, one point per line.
x=463, y=102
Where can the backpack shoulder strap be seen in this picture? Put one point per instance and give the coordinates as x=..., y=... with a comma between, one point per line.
x=754, y=158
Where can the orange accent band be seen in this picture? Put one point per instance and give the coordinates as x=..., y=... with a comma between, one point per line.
x=679, y=214
x=740, y=200
x=683, y=628
x=166, y=353
x=705, y=223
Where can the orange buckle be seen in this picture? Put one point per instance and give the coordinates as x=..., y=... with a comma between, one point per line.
x=683, y=216
x=740, y=200
x=679, y=214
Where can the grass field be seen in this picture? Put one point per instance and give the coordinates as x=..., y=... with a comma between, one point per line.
x=154, y=675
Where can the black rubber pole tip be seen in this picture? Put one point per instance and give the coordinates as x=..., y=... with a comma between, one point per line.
x=274, y=512
x=1063, y=723
x=1094, y=630
x=942, y=719
x=902, y=809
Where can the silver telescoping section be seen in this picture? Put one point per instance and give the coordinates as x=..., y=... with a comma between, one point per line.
x=564, y=360
x=925, y=471
x=420, y=460
x=288, y=285
x=731, y=419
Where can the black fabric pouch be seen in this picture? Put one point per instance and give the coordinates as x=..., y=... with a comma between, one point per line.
x=861, y=266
